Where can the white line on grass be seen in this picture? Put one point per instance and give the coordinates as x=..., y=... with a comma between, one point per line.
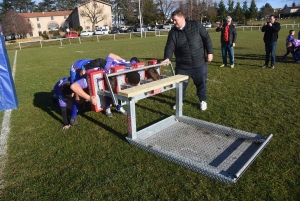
x=5, y=128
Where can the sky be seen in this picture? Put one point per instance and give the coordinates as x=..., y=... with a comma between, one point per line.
x=259, y=3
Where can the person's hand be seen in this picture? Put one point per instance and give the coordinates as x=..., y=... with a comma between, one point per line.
x=233, y=44
x=66, y=127
x=266, y=24
x=165, y=62
x=209, y=57
x=93, y=100
x=270, y=24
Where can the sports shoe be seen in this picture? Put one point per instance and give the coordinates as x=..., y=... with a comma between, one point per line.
x=122, y=111
x=265, y=66
x=232, y=66
x=223, y=65
x=73, y=122
x=108, y=112
x=203, y=105
x=272, y=67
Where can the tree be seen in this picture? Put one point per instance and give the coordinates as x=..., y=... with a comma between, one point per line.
x=14, y=24
x=94, y=12
x=245, y=11
x=238, y=13
x=166, y=7
x=222, y=10
x=253, y=11
x=266, y=11
x=150, y=12
x=230, y=7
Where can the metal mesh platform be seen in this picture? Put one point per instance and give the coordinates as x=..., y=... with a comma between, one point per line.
x=220, y=152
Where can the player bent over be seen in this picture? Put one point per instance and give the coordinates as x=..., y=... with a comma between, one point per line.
x=63, y=94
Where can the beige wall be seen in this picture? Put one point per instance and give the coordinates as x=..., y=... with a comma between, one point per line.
x=44, y=22
x=86, y=23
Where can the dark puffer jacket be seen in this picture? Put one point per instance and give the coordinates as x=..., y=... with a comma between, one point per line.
x=188, y=45
x=271, y=33
x=231, y=33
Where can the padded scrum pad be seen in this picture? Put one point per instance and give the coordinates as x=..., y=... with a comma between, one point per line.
x=95, y=81
x=8, y=95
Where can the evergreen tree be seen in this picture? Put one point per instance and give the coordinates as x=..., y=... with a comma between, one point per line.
x=222, y=10
x=238, y=14
x=230, y=7
x=253, y=11
x=266, y=11
x=245, y=10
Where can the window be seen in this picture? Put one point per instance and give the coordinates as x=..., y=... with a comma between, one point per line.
x=53, y=26
x=37, y=19
x=40, y=33
x=52, y=18
x=38, y=25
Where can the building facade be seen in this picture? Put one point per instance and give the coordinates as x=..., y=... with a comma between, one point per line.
x=100, y=16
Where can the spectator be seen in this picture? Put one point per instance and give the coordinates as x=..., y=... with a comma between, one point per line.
x=271, y=30
x=228, y=39
x=189, y=40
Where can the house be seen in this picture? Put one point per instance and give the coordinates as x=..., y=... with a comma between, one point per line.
x=61, y=20
x=46, y=21
x=290, y=10
x=90, y=15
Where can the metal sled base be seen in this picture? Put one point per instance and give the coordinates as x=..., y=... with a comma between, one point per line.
x=219, y=152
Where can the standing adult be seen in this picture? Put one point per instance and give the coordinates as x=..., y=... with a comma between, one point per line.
x=228, y=39
x=189, y=40
x=271, y=30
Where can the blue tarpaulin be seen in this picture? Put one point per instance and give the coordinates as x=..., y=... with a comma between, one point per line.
x=8, y=95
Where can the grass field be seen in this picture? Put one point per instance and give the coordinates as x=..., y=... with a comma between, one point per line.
x=93, y=161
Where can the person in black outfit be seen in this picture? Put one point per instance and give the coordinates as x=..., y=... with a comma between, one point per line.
x=190, y=42
x=271, y=30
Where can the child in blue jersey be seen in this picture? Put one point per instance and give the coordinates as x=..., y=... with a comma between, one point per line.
x=63, y=94
x=289, y=50
x=79, y=86
x=295, y=46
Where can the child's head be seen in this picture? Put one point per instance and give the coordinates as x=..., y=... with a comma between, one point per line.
x=289, y=44
x=134, y=60
x=292, y=31
x=66, y=89
x=96, y=63
x=133, y=78
x=152, y=73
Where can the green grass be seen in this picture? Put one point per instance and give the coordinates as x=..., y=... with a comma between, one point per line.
x=93, y=161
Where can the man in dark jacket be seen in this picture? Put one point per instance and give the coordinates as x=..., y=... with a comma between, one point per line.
x=271, y=30
x=228, y=39
x=189, y=41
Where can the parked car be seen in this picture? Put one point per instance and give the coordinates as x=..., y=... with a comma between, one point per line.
x=104, y=31
x=72, y=34
x=167, y=26
x=98, y=32
x=207, y=25
x=130, y=30
x=114, y=30
x=152, y=28
x=86, y=33
x=144, y=28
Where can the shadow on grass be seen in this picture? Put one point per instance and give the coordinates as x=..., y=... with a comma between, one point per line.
x=108, y=128
x=43, y=100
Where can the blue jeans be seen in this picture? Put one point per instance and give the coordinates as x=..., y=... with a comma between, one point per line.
x=199, y=76
x=270, y=49
x=226, y=47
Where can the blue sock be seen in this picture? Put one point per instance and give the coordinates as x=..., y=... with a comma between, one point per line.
x=119, y=107
x=75, y=107
x=109, y=61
